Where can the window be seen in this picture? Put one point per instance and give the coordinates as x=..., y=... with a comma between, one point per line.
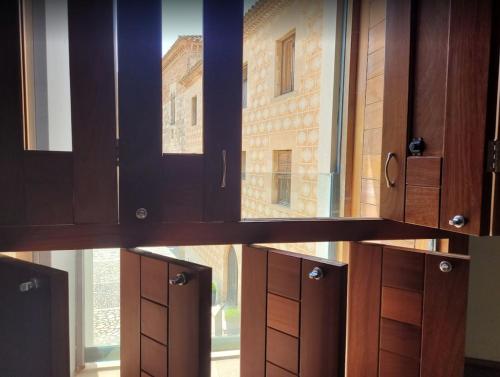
x=194, y=111
x=172, y=108
x=243, y=165
x=282, y=181
x=244, y=86
x=286, y=61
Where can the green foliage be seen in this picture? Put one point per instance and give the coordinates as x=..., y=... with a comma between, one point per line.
x=232, y=313
x=214, y=287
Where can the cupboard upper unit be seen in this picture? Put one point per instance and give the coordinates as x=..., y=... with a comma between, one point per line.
x=441, y=115
x=240, y=112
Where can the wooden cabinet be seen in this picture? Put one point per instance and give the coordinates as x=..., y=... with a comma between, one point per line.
x=78, y=187
x=34, y=319
x=407, y=311
x=165, y=316
x=293, y=314
x=440, y=110
x=156, y=187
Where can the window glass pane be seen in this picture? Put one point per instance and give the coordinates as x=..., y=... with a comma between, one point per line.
x=101, y=282
x=45, y=67
x=296, y=74
x=182, y=74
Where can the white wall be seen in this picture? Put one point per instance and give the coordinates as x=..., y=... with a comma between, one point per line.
x=483, y=317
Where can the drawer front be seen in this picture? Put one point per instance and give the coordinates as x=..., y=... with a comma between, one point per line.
x=422, y=206
x=282, y=350
x=283, y=275
x=153, y=357
x=403, y=269
x=393, y=365
x=274, y=371
x=154, y=280
x=402, y=305
x=423, y=171
x=154, y=321
x=283, y=314
x=400, y=338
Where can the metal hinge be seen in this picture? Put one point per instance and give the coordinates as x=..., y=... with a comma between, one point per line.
x=493, y=157
x=117, y=151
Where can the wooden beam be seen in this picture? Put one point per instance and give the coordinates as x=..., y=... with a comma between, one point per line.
x=18, y=238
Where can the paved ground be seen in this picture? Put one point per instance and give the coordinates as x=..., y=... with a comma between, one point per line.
x=106, y=288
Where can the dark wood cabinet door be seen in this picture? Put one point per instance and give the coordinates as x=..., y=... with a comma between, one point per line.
x=405, y=307
x=174, y=186
x=48, y=187
x=165, y=316
x=439, y=54
x=293, y=314
x=34, y=328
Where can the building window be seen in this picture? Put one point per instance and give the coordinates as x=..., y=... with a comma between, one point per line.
x=282, y=182
x=245, y=85
x=172, y=108
x=194, y=111
x=243, y=165
x=286, y=64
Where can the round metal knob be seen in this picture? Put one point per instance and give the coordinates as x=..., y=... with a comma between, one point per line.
x=180, y=279
x=457, y=221
x=445, y=266
x=29, y=285
x=141, y=213
x=417, y=146
x=316, y=274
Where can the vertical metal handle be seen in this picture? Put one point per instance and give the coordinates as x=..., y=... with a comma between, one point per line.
x=388, y=181
x=224, y=169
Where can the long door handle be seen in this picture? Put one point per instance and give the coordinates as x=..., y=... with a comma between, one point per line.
x=388, y=181
x=224, y=169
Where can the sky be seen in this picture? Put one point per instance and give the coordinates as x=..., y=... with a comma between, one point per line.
x=184, y=17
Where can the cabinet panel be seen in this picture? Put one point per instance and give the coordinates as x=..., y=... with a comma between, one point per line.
x=154, y=320
x=422, y=206
x=365, y=277
x=72, y=187
x=253, y=313
x=283, y=314
x=168, y=338
x=282, y=350
x=176, y=187
x=306, y=336
x=445, y=303
x=400, y=338
x=410, y=320
x=153, y=357
x=394, y=365
x=11, y=118
x=396, y=107
x=284, y=275
x=466, y=185
x=34, y=320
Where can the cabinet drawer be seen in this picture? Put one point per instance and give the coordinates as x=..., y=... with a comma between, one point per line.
x=283, y=275
x=154, y=321
x=392, y=365
x=402, y=305
x=400, y=338
x=422, y=206
x=153, y=357
x=154, y=280
x=403, y=269
x=283, y=350
x=423, y=171
x=274, y=371
x=283, y=314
